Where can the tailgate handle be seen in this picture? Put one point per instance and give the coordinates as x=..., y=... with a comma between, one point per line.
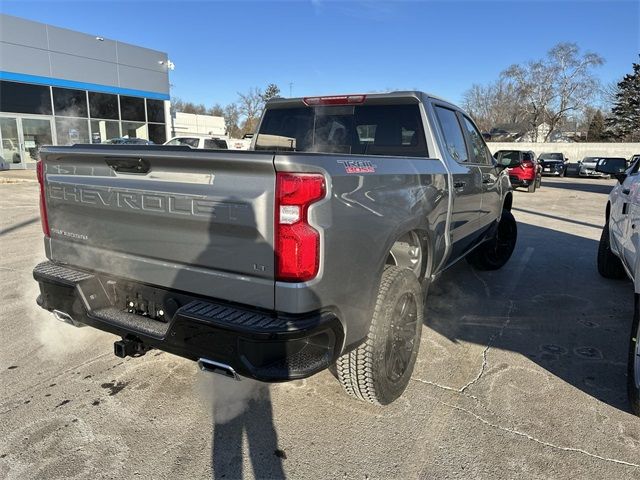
x=128, y=164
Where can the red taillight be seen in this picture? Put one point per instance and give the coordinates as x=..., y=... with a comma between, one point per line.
x=334, y=100
x=297, y=244
x=43, y=203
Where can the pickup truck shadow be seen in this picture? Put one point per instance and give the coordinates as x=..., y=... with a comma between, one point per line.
x=604, y=189
x=550, y=305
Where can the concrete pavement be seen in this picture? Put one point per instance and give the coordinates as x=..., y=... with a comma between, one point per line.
x=521, y=374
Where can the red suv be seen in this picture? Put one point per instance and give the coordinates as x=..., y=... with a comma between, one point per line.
x=524, y=170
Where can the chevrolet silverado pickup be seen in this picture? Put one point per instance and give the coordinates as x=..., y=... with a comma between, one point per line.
x=619, y=251
x=314, y=250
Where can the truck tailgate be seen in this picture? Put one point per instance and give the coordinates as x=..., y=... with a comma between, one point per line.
x=196, y=221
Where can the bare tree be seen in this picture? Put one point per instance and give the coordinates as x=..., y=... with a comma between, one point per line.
x=574, y=85
x=216, y=110
x=232, y=119
x=533, y=82
x=250, y=105
x=493, y=104
x=547, y=90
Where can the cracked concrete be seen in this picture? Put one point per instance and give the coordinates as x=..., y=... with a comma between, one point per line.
x=537, y=440
x=501, y=389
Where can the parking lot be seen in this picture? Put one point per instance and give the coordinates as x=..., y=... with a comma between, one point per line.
x=521, y=374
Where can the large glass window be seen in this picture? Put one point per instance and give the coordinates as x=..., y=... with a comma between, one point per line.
x=36, y=133
x=157, y=133
x=103, y=105
x=24, y=98
x=132, y=108
x=362, y=129
x=453, y=137
x=134, y=130
x=69, y=103
x=155, y=111
x=103, y=130
x=70, y=131
x=10, y=144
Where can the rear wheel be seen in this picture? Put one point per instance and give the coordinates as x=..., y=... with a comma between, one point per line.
x=532, y=187
x=609, y=266
x=379, y=370
x=539, y=180
x=495, y=253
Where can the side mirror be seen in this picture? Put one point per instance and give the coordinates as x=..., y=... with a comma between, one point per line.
x=615, y=167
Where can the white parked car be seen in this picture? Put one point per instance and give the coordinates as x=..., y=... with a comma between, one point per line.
x=199, y=142
x=619, y=251
x=216, y=143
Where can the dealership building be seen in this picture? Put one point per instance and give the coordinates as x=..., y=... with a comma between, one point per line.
x=61, y=87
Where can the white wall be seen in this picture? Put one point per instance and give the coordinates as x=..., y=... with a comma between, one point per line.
x=574, y=151
x=192, y=124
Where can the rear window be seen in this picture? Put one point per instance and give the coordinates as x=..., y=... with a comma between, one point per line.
x=394, y=130
x=551, y=156
x=506, y=157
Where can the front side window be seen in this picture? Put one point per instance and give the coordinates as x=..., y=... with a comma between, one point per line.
x=479, y=151
x=394, y=130
x=452, y=133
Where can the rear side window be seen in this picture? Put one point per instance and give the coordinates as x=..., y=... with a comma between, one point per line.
x=394, y=130
x=215, y=143
x=452, y=133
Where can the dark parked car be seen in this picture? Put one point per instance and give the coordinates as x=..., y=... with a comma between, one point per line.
x=128, y=141
x=522, y=167
x=554, y=164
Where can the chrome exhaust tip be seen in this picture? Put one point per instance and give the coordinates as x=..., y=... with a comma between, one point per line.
x=210, y=366
x=66, y=318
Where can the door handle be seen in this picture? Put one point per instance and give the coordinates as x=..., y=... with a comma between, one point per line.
x=459, y=184
x=626, y=191
x=128, y=165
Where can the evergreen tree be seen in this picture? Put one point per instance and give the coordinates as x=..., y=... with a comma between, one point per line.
x=596, y=132
x=272, y=91
x=624, y=122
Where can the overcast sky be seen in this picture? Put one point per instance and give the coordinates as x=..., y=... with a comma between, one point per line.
x=323, y=47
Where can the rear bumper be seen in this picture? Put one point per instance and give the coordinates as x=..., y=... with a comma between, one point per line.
x=553, y=171
x=264, y=345
x=520, y=182
x=588, y=172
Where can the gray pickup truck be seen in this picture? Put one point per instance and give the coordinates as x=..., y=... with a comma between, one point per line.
x=312, y=251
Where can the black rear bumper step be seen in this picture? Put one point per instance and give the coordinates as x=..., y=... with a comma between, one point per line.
x=267, y=346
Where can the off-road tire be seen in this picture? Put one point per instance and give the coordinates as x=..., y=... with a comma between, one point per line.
x=609, y=266
x=539, y=181
x=365, y=372
x=495, y=253
x=633, y=383
x=532, y=187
